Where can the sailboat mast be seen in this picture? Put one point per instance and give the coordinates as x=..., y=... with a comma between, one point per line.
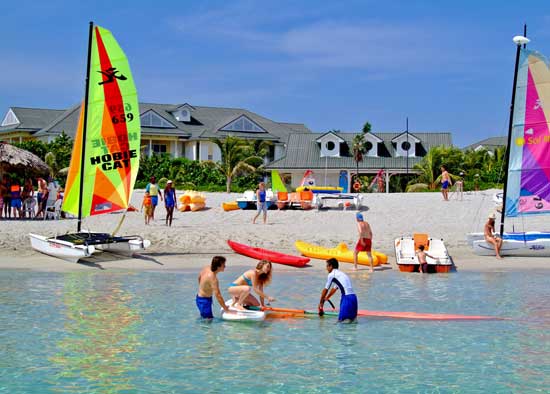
x=84, y=127
x=510, y=127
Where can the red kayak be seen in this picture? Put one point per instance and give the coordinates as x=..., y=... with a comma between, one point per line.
x=261, y=254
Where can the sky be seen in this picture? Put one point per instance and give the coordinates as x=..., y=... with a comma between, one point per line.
x=332, y=65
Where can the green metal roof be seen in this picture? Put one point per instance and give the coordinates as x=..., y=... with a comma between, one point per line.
x=31, y=119
x=205, y=124
x=303, y=152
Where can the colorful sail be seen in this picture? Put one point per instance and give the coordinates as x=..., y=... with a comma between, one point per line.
x=276, y=182
x=528, y=189
x=112, y=148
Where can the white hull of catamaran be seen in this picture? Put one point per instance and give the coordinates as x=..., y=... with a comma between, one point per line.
x=60, y=249
x=535, y=244
x=132, y=246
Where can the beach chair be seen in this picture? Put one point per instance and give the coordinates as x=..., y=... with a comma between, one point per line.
x=29, y=207
x=421, y=239
x=53, y=211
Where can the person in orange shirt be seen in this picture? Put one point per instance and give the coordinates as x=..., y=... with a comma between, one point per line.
x=147, y=207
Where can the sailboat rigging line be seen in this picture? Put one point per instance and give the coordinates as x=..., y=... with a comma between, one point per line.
x=119, y=223
x=84, y=127
x=510, y=126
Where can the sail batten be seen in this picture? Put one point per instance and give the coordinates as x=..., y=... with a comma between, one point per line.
x=111, y=159
x=528, y=186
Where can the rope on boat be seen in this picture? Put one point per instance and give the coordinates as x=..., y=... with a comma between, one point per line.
x=119, y=224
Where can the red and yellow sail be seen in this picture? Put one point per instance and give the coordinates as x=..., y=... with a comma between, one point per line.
x=112, y=148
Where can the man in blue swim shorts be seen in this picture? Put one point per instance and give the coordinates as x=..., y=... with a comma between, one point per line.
x=338, y=280
x=208, y=285
x=445, y=183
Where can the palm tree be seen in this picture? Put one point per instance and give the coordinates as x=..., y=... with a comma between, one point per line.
x=428, y=166
x=258, y=150
x=366, y=128
x=358, y=149
x=235, y=158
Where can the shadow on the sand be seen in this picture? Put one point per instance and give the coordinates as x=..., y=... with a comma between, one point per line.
x=106, y=257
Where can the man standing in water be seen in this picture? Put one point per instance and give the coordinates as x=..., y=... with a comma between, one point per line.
x=365, y=241
x=339, y=280
x=208, y=285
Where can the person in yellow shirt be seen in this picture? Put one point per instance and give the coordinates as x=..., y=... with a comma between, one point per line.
x=154, y=191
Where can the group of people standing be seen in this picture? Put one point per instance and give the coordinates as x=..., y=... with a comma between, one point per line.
x=151, y=200
x=18, y=201
x=256, y=279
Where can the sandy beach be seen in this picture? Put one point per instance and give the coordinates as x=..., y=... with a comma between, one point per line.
x=197, y=236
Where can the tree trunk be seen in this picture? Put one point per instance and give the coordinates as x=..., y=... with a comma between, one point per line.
x=228, y=184
x=357, y=175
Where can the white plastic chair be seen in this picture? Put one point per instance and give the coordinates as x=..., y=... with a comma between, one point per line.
x=53, y=211
x=29, y=207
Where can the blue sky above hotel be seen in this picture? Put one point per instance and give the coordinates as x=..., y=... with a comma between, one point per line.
x=331, y=65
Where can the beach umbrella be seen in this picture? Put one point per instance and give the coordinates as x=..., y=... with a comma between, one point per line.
x=13, y=159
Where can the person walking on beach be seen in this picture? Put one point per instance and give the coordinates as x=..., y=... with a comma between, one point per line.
x=208, y=285
x=364, y=244
x=147, y=207
x=490, y=237
x=169, y=202
x=445, y=183
x=422, y=259
x=153, y=189
x=254, y=279
x=338, y=280
x=261, y=204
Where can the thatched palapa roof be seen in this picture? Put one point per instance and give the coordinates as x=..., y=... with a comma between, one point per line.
x=13, y=159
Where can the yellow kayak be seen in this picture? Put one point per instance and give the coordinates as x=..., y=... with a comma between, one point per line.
x=340, y=253
x=320, y=189
x=230, y=206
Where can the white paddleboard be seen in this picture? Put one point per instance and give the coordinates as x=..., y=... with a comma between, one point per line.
x=238, y=315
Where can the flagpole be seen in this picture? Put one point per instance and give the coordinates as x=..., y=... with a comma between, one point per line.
x=519, y=41
x=84, y=127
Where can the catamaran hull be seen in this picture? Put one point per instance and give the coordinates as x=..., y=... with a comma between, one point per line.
x=532, y=243
x=60, y=249
x=74, y=251
x=130, y=247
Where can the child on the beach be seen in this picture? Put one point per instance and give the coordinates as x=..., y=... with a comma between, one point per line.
x=422, y=259
x=147, y=207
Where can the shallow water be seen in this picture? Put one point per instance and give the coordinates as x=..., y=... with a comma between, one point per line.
x=140, y=333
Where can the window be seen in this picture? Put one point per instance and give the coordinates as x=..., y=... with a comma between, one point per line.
x=159, y=149
x=243, y=124
x=406, y=145
x=183, y=115
x=368, y=146
x=330, y=145
x=151, y=119
x=10, y=119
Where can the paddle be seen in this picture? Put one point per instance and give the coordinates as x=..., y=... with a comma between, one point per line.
x=385, y=314
x=322, y=311
x=292, y=310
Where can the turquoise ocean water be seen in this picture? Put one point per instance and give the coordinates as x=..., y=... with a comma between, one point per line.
x=119, y=332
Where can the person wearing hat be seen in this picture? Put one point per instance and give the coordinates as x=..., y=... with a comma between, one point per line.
x=490, y=236
x=365, y=240
x=169, y=202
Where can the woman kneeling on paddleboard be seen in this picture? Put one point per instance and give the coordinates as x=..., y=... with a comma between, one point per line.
x=254, y=279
